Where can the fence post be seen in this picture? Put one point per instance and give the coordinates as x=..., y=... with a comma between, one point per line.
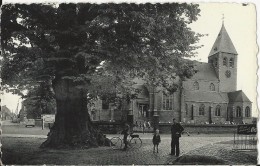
x=42, y=124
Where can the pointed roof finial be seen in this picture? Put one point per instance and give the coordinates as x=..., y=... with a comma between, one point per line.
x=223, y=18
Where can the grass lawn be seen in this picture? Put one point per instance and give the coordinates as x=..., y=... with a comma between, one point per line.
x=21, y=129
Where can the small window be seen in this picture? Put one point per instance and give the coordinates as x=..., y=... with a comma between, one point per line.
x=216, y=62
x=212, y=87
x=247, y=112
x=224, y=61
x=196, y=86
x=231, y=63
x=202, y=109
x=217, y=111
x=238, y=112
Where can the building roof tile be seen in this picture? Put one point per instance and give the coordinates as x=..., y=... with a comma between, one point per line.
x=238, y=96
x=200, y=96
x=223, y=43
x=205, y=71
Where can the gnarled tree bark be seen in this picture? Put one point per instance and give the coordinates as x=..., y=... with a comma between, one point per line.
x=72, y=126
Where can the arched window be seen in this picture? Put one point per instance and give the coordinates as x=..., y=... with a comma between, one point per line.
x=217, y=111
x=196, y=86
x=238, y=112
x=231, y=62
x=224, y=61
x=186, y=108
x=202, y=109
x=247, y=112
x=212, y=87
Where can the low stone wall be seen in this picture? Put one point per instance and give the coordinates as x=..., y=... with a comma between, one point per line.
x=108, y=127
x=201, y=128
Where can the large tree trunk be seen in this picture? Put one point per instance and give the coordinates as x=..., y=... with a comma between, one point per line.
x=72, y=125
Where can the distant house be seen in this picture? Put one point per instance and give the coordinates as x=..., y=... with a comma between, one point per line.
x=210, y=96
x=6, y=113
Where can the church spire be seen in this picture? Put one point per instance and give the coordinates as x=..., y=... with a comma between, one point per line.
x=223, y=42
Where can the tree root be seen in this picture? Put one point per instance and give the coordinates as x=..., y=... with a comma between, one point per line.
x=86, y=139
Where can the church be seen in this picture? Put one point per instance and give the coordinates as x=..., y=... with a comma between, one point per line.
x=209, y=96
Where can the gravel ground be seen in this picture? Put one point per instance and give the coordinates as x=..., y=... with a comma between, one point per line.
x=27, y=151
x=222, y=151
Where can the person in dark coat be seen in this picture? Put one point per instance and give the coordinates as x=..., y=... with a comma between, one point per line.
x=125, y=132
x=156, y=140
x=176, y=130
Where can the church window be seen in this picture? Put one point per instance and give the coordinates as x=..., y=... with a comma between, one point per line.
x=238, y=111
x=217, y=111
x=224, y=61
x=196, y=86
x=231, y=62
x=212, y=87
x=202, y=109
x=167, y=102
x=247, y=112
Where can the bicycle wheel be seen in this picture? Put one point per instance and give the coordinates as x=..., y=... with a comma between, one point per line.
x=116, y=143
x=135, y=143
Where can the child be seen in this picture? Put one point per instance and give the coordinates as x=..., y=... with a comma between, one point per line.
x=156, y=140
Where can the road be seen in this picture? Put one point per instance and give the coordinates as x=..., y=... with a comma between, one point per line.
x=101, y=155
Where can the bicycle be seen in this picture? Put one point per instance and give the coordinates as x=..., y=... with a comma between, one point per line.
x=133, y=141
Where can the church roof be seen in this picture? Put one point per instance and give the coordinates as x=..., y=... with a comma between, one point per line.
x=223, y=43
x=205, y=71
x=238, y=96
x=199, y=96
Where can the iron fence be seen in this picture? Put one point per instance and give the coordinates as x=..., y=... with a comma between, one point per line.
x=245, y=142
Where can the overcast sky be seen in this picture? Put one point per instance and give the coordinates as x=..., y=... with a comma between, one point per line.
x=240, y=23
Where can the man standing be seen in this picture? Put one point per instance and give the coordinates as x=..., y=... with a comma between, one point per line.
x=176, y=131
x=125, y=132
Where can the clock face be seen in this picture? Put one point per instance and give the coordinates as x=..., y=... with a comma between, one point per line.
x=228, y=74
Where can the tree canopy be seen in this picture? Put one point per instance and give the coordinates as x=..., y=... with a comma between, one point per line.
x=82, y=50
x=43, y=41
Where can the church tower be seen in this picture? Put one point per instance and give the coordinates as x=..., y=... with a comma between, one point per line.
x=223, y=57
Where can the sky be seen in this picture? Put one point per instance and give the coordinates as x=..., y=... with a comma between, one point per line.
x=240, y=23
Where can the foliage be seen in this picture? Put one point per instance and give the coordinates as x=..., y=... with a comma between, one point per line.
x=40, y=100
x=45, y=41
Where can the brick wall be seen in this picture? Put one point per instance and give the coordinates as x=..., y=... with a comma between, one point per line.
x=207, y=129
x=228, y=84
x=199, y=119
x=204, y=85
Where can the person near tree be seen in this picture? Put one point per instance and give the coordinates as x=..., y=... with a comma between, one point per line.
x=125, y=132
x=176, y=130
x=156, y=140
